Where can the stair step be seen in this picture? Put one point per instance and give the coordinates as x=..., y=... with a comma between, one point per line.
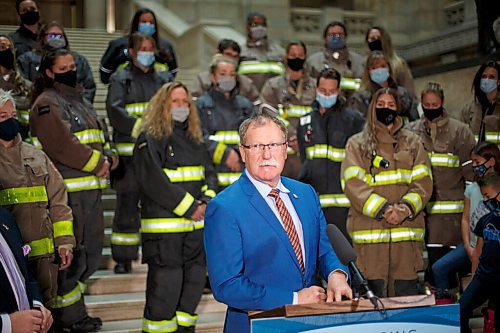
x=106, y=281
x=131, y=306
x=207, y=323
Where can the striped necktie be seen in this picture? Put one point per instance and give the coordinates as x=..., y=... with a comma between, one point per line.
x=288, y=224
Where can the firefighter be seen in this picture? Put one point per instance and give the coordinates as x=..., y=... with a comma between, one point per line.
x=322, y=136
x=176, y=179
x=116, y=55
x=448, y=143
x=222, y=110
x=34, y=192
x=65, y=125
x=483, y=114
x=229, y=49
x=387, y=178
x=129, y=92
x=260, y=60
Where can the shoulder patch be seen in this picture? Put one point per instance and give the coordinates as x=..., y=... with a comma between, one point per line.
x=305, y=120
x=43, y=110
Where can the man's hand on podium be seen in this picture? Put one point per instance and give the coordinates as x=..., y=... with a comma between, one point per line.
x=312, y=294
x=338, y=287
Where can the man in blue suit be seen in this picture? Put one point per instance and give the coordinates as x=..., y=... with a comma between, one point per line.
x=263, y=251
x=18, y=293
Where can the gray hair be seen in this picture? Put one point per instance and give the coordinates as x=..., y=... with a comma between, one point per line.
x=5, y=96
x=219, y=58
x=260, y=119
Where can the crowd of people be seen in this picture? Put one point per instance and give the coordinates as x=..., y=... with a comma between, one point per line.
x=390, y=167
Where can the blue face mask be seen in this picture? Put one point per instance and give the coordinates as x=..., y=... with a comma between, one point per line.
x=147, y=28
x=488, y=85
x=145, y=59
x=493, y=204
x=326, y=101
x=480, y=170
x=335, y=43
x=379, y=75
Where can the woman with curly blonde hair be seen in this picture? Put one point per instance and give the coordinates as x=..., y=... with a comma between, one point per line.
x=176, y=180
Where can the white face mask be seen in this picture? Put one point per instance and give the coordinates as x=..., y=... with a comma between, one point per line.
x=226, y=83
x=180, y=114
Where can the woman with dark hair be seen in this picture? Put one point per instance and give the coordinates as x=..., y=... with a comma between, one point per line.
x=26, y=35
x=11, y=79
x=144, y=21
x=53, y=37
x=176, y=179
x=387, y=178
x=485, y=159
x=483, y=114
x=378, y=39
x=129, y=91
x=448, y=143
x=378, y=74
x=65, y=125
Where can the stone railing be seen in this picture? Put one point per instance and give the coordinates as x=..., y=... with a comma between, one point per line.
x=306, y=20
x=455, y=13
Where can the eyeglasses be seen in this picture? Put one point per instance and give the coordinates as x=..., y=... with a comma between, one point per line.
x=335, y=35
x=54, y=36
x=260, y=147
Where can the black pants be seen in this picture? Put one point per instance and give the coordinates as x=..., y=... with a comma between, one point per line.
x=125, y=239
x=88, y=227
x=400, y=287
x=176, y=273
x=478, y=292
x=338, y=216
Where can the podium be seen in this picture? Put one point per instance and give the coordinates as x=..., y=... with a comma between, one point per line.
x=409, y=314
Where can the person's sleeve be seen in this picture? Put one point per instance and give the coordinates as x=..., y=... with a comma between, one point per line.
x=57, y=140
x=466, y=144
x=118, y=116
x=268, y=95
x=87, y=79
x=5, y=324
x=209, y=188
x=223, y=246
x=110, y=60
x=154, y=182
x=59, y=211
x=328, y=261
x=420, y=189
x=23, y=66
x=361, y=195
x=356, y=102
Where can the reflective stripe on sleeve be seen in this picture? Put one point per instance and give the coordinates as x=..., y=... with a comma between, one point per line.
x=325, y=151
x=136, y=109
x=347, y=83
x=415, y=200
x=445, y=207
x=261, y=67
x=444, y=160
x=219, y=153
x=41, y=247
x=90, y=136
x=294, y=111
x=226, y=137
x=372, y=205
x=92, y=162
x=334, y=200
x=85, y=183
x=21, y=195
x=186, y=174
x=169, y=225
x=125, y=238
x=63, y=228
x=23, y=116
x=184, y=205
x=227, y=178
x=124, y=148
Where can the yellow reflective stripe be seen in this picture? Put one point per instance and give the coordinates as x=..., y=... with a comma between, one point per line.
x=334, y=200
x=415, y=200
x=159, y=67
x=210, y=193
x=372, y=205
x=186, y=174
x=387, y=235
x=159, y=326
x=40, y=247
x=36, y=143
x=387, y=177
x=199, y=224
x=85, y=183
x=63, y=228
x=22, y=195
x=227, y=137
x=136, y=130
x=261, y=67
x=184, y=205
x=136, y=109
x=167, y=225
x=185, y=319
x=23, y=116
x=125, y=238
x=90, y=136
x=227, y=178
x=92, y=162
x=444, y=160
x=350, y=83
x=493, y=137
x=420, y=171
x=325, y=151
x=124, y=148
x=445, y=207
x=70, y=298
x=294, y=111
x=219, y=153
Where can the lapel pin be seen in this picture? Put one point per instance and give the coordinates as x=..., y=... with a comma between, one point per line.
x=295, y=196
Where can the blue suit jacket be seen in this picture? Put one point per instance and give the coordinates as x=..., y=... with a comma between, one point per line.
x=251, y=262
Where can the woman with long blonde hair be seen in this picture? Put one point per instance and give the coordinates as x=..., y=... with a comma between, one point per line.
x=176, y=179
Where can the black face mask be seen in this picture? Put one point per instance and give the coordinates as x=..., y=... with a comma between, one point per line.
x=432, y=114
x=68, y=78
x=30, y=17
x=375, y=45
x=7, y=59
x=385, y=115
x=9, y=129
x=295, y=64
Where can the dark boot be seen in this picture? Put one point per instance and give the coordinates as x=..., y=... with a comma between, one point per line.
x=123, y=267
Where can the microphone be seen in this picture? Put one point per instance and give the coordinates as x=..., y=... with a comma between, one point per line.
x=347, y=256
